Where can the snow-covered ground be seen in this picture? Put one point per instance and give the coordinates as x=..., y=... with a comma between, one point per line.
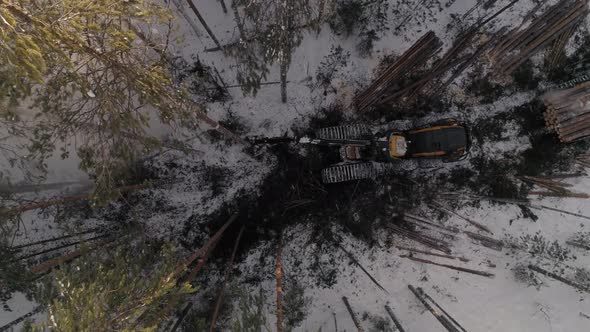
x=480, y=304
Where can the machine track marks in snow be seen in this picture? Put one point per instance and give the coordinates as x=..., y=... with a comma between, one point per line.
x=348, y=132
x=348, y=172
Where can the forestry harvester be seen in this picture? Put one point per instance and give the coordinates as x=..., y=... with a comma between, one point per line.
x=364, y=152
x=442, y=141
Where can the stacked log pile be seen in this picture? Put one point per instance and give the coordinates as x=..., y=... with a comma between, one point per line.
x=413, y=58
x=453, y=57
x=555, y=24
x=568, y=112
x=386, y=88
x=555, y=54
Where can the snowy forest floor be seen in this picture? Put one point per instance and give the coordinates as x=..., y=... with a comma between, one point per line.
x=277, y=190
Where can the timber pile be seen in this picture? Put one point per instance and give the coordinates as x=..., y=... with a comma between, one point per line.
x=485, y=46
x=568, y=112
x=386, y=88
x=414, y=57
x=555, y=54
x=451, y=59
x=553, y=188
x=553, y=25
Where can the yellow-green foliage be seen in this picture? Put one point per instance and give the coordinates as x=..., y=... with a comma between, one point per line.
x=89, y=74
x=123, y=291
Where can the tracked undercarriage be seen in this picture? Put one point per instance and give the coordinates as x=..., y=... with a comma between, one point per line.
x=362, y=151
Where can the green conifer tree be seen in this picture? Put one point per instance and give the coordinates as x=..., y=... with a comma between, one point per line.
x=125, y=290
x=274, y=29
x=93, y=77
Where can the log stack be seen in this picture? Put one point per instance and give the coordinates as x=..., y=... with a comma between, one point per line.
x=555, y=54
x=453, y=57
x=568, y=112
x=413, y=58
x=554, y=26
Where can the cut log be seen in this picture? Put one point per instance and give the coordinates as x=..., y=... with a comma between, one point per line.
x=452, y=267
x=420, y=238
x=432, y=253
x=201, y=251
x=29, y=188
x=67, y=245
x=226, y=275
x=486, y=241
x=52, y=263
x=543, y=31
x=182, y=316
x=335, y=322
x=489, y=19
x=279, y=274
x=64, y=237
x=414, y=57
x=554, y=194
x=357, y=263
x=223, y=7
x=201, y=262
x=21, y=319
x=472, y=222
x=444, y=311
x=151, y=44
x=65, y=200
x=353, y=315
x=559, y=278
x=396, y=322
x=204, y=23
x=452, y=230
x=191, y=22
x=445, y=322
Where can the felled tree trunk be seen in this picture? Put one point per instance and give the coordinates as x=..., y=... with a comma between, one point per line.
x=223, y=7
x=52, y=263
x=284, y=69
x=279, y=273
x=21, y=319
x=225, y=280
x=355, y=319
x=204, y=23
x=65, y=200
